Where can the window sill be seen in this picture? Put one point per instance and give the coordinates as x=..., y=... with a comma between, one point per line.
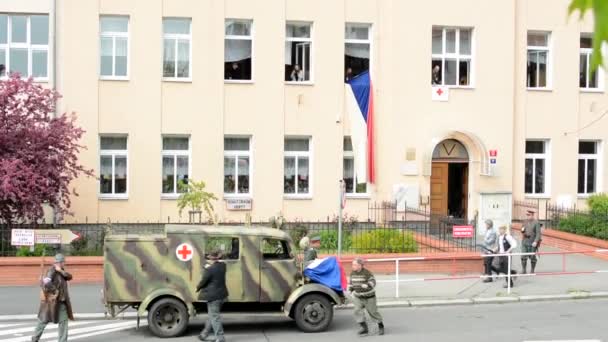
x=112, y=78
x=365, y=196
x=303, y=83
x=297, y=197
x=238, y=82
x=538, y=196
x=36, y=80
x=585, y=196
x=548, y=90
x=112, y=197
x=169, y=196
x=177, y=80
x=231, y=196
x=592, y=91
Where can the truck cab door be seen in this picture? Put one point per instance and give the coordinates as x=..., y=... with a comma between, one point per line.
x=230, y=248
x=278, y=270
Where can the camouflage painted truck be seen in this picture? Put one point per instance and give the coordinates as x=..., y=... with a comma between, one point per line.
x=158, y=274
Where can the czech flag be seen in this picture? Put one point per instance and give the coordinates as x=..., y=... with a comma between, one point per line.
x=360, y=110
x=329, y=272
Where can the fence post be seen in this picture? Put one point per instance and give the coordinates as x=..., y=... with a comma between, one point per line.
x=509, y=275
x=397, y=278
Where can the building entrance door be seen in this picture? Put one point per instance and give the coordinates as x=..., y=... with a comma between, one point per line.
x=450, y=180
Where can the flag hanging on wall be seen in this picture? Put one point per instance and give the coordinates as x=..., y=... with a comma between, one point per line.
x=360, y=110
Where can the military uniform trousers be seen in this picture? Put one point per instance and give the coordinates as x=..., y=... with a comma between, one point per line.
x=527, y=248
x=63, y=325
x=368, y=305
x=214, y=320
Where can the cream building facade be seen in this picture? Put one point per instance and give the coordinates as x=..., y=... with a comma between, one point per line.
x=208, y=90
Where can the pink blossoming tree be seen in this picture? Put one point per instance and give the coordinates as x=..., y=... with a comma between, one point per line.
x=38, y=152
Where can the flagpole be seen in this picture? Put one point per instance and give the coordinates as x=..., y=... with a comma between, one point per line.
x=341, y=200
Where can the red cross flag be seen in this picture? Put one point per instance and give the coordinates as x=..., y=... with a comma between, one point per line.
x=440, y=93
x=184, y=252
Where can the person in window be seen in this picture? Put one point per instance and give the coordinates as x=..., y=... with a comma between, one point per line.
x=214, y=292
x=436, y=75
x=348, y=74
x=234, y=72
x=506, y=245
x=297, y=75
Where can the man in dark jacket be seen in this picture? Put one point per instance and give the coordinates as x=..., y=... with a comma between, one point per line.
x=214, y=291
x=55, y=305
x=363, y=288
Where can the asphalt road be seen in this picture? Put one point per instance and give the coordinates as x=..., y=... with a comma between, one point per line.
x=582, y=320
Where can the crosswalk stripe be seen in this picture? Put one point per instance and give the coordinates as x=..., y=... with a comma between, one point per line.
x=564, y=341
x=11, y=325
x=104, y=332
x=33, y=326
x=73, y=332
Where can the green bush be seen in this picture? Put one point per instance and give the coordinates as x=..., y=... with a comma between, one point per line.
x=598, y=204
x=329, y=240
x=38, y=251
x=591, y=225
x=384, y=240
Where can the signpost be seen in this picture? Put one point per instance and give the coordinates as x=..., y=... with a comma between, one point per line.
x=341, y=206
x=462, y=231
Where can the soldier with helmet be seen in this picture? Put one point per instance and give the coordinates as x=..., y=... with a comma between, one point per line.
x=531, y=238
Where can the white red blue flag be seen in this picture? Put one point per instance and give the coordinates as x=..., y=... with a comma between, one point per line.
x=360, y=110
x=327, y=271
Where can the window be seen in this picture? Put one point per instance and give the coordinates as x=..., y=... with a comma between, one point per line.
x=24, y=45
x=177, y=40
x=228, y=246
x=274, y=249
x=176, y=162
x=348, y=172
x=538, y=60
x=451, y=56
x=357, y=50
x=537, y=161
x=298, y=52
x=588, y=80
x=113, y=167
x=588, y=159
x=296, y=179
x=238, y=50
x=114, y=41
x=237, y=166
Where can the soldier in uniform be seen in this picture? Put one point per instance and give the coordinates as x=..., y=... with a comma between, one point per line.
x=531, y=237
x=215, y=292
x=310, y=253
x=363, y=288
x=55, y=305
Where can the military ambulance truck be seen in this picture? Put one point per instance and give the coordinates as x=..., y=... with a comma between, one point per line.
x=157, y=274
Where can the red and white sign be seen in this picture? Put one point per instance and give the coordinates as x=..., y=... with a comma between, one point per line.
x=184, y=252
x=462, y=231
x=493, y=153
x=440, y=93
x=22, y=237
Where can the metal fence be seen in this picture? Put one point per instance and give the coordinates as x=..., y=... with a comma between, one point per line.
x=387, y=230
x=581, y=222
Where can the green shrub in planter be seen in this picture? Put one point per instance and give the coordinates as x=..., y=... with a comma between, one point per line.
x=48, y=250
x=383, y=240
x=329, y=240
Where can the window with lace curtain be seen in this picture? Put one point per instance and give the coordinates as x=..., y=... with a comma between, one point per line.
x=296, y=179
x=348, y=173
x=113, y=182
x=114, y=47
x=176, y=163
x=177, y=40
x=237, y=166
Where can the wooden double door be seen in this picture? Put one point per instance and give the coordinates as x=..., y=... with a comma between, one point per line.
x=450, y=189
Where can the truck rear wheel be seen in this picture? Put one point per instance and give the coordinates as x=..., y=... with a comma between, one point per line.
x=168, y=317
x=313, y=313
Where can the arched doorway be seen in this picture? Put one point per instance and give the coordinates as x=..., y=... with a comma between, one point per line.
x=450, y=179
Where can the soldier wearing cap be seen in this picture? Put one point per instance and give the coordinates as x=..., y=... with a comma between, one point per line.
x=55, y=305
x=214, y=292
x=362, y=286
x=310, y=253
x=531, y=237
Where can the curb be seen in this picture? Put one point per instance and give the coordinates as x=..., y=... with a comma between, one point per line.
x=382, y=304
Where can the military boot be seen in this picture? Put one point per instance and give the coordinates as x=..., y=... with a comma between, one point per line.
x=380, y=328
x=524, y=266
x=533, y=267
x=34, y=339
x=363, y=329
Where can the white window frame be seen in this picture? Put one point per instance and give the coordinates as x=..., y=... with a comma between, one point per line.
x=351, y=155
x=177, y=38
x=457, y=56
x=27, y=46
x=600, y=71
x=369, y=40
x=251, y=38
x=175, y=154
x=548, y=48
x=236, y=154
x=303, y=40
x=547, y=157
x=113, y=154
x=599, y=168
x=113, y=36
x=298, y=154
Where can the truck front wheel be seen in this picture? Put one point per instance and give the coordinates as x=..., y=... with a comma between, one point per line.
x=168, y=317
x=313, y=313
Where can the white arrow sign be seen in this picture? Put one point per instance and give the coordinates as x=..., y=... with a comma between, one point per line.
x=55, y=236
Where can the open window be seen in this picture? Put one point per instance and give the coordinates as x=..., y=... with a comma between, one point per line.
x=228, y=246
x=357, y=50
x=238, y=50
x=274, y=249
x=298, y=54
